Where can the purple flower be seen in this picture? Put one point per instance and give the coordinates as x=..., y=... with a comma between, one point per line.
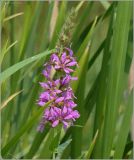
x=70, y=103
x=68, y=93
x=60, y=115
x=44, y=98
x=70, y=51
x=51, y=86
x=63, y=62
x=65, y=116
x=61, y=109
x=66, y=80
x=47, y=71
x=50, y=93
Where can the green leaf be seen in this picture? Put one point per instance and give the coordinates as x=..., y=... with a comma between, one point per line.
x=99, y=21
x=30, y=30
x=9, y=99
x=96, y=54
x=13, y=16
x=25, y=31
x=125, y=127
x=12, y=36
x=60, y=149
x=22, y=130
x=36, y=143
x=86, y=40
x=120, y=38
x=90, y=99
x=101, y=92
x=46, y=32
x=8, y=72
x=79, y=88
x=89, y=152
x=80, y=25
x=46, y=146
x=56, y=138
x=5, y=50
x=39, y=139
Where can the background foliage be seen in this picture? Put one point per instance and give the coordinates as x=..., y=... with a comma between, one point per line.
x=101, y=39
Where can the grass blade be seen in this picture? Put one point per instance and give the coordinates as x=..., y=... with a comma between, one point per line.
x=86, y=40
x=89, y=152
x=46, y=146
x=120, y=38
x=125, y=127
x=79, y=88
x=30, y=36
x=96, y=54
x=83, y=18
x=9, y=99
x=101, y=95
x=46, y=33
x=5, y=50
x=8, y=72
x=36, y=143
x=22, y=130
x=60, y=149
x=12, y=16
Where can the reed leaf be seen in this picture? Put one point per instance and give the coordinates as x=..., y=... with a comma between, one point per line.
x=9, y=99
x=8, y=72
x=22, y=130
x=120, y=37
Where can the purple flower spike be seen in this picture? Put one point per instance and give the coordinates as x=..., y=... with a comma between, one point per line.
x=61, y=109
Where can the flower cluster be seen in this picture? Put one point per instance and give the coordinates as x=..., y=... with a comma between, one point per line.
x=58, y=91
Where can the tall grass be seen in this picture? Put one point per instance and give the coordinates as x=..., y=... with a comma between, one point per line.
x=101, y=39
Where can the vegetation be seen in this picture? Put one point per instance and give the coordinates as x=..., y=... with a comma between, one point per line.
x=100, y=35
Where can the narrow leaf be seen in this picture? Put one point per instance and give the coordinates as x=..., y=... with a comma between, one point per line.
x=13, y=16
x=120, y=38
x=9, y=99
x=22, y=130
x=8, y=72
x=89, y=152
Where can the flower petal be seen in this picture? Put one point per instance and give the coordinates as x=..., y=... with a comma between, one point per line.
x=65, y=124
x=68, y=70
x=54, y=58
x=41, y=103
x=70, y=51
x=55, y=123
x=58, y=110
x=66, y=80
x=67, y=61
x=57, y=67
x=71, y=64
x=58, y=91
x=44, y=85
x=64, y=110
x=75, y=114
x=60, y=99
x=68, y=117
x=63, y=57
